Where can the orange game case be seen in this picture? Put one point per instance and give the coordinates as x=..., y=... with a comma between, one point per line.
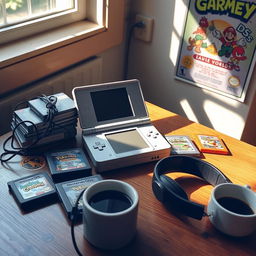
x=211, y=144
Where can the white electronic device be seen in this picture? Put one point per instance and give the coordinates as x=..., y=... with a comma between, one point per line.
x=117, y=131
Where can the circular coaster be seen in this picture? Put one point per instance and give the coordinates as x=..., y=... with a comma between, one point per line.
x=32, y=162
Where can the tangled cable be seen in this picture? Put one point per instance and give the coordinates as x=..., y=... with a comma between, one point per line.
x=50, y=103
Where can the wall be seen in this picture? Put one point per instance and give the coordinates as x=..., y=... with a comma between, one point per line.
x=154, y=65
x=113, y=64
x=114, y=58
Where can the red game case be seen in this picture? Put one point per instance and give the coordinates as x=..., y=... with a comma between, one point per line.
x=211, y=144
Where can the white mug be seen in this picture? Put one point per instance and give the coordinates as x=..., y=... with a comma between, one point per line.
x=110, y=230
x=227, y=220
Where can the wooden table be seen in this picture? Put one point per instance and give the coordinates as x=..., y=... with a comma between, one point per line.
x=160, y=232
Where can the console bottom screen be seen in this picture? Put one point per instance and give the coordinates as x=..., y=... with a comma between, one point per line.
x=126, y=141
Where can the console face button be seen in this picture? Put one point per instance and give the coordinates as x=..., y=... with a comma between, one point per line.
x=153, y=134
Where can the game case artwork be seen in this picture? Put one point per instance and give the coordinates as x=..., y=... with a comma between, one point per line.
x=218, y=46
x=33, y=186
x=72, y=159
x=182, y=145
x=212, y=144
x=33, y=191
x=68, y=164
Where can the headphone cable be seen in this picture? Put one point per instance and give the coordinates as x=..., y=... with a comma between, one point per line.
x=73, y=218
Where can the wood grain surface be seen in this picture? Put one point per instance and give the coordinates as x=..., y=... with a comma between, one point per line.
x=160, y=232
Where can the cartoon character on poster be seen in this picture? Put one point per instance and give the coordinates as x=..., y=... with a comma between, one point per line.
x=218, y=45
x=230, y=47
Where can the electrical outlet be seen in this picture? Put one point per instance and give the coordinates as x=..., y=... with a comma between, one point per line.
x=144, y=33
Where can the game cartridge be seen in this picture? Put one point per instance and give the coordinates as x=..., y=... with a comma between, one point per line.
x=212, y=144
x=70, y=190
x=68, y=164
x=34, y=191
x=182, y=145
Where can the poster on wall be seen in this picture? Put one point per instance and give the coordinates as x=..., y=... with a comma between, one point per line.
x=218, y=46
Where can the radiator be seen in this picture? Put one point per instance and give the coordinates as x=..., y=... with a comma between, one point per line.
x=88, y=72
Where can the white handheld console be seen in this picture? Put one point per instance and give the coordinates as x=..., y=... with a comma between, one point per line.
x=116, y=127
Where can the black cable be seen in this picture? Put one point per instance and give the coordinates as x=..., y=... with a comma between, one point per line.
x=73, y=218
x=22, y=151
x=139, y=24
x=50, y=103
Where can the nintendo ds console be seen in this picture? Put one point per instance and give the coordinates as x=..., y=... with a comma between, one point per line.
x=117, y=131
x=124, y=147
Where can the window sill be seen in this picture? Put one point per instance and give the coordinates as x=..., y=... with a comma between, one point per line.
x=29, y=60
x=23, y=49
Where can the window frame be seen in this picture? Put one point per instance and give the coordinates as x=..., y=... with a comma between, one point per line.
x=28, y=67
x=40, y=24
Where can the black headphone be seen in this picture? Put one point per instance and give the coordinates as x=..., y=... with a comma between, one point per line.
x=169, y=192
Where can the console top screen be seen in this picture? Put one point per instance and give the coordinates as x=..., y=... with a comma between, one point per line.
x=103, y=107
x=111, y=104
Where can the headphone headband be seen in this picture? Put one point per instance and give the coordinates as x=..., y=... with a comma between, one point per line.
x=169, y=191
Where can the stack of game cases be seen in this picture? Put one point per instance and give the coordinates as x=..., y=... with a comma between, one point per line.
x=61, y=126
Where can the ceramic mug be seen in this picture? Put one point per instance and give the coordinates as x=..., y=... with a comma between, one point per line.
x=106, y=227
x=232, y=209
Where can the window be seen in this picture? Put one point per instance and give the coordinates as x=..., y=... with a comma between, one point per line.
x=21, y=18
x=31, y=58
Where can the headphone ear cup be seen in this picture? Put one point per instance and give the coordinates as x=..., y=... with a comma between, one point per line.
x=173, y=186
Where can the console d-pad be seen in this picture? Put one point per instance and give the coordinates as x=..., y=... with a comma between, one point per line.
x=99, y=145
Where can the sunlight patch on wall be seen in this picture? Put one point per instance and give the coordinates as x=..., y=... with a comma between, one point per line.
x=227, y=101
x=174, y=46
x=219, y=115
x=188, y=110
x=180, y=9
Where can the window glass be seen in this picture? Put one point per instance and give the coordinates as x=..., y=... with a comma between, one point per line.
x=1, y=16
x=16, y=11
x=22, y=18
